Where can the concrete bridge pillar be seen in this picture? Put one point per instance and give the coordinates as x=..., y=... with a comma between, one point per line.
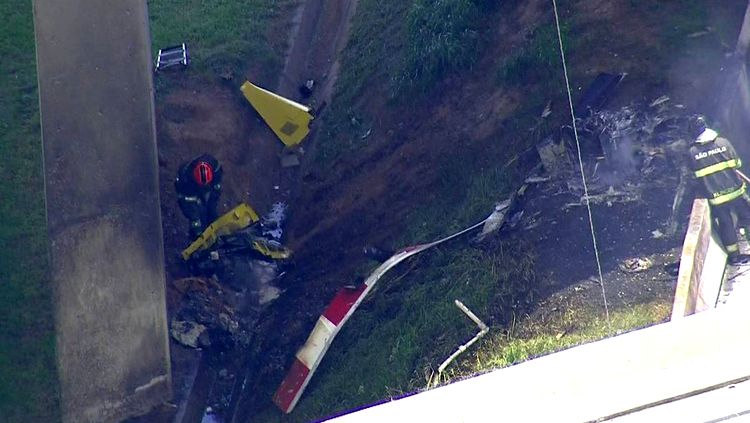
x=102, y=192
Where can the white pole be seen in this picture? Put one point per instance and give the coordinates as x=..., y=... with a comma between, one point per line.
x=483, y=329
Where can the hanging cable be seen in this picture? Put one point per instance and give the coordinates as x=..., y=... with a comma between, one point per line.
x=580, y=162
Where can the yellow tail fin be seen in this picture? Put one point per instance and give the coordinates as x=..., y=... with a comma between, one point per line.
x=290, y=121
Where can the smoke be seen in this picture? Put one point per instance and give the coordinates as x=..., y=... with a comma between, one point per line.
x=626, y=136
x=618, y=137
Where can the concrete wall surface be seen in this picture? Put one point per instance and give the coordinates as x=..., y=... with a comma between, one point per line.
x=671, y=363
x=104, y=222
x=702, y=265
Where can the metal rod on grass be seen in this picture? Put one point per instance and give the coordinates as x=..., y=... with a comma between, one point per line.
x=483, y=329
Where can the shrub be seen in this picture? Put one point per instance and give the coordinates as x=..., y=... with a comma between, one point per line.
x=537, y=61
x=442, y=36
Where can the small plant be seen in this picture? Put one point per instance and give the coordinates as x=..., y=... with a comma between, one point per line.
x=536, y=62
x=443, y=35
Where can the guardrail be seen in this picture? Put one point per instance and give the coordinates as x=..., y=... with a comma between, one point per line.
x=702, y=265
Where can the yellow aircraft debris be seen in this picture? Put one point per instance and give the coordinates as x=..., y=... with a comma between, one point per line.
x=234, y=220
x=290, y=121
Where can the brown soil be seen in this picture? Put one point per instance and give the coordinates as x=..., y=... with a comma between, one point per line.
x=363, y=198
x=200, y=115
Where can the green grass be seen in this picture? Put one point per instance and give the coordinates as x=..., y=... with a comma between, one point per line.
x=466, y=197
x=28, y=379
x=223, y=36
x=443, y=36
x=693, y=18
x=410, y=324
x=372, y=56
x=530, y=339
x=537, y=62
x=407, y=47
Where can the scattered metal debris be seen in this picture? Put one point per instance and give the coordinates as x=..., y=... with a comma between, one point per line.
x=515, y=219
x=483, y=329
x=697, y=34
x=495, y=221
x=288, y=158
x=636, y=264
x=532, y=221
x=337, y=313
x=657, y=234
x=306, y=89
x=609, y=197
x=599, y=91
x=271, y=223
x=623, y=150
x=536, y=179
x=547, y=110
x=189, y=334
x=659, y=101
x=171, y=57
x=209, y=416
x=554, y=156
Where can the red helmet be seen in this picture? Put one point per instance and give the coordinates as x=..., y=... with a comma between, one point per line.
x=203, y=173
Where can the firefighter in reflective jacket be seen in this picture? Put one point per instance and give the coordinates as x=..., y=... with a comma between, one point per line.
x=198, y=186
x=714, y=161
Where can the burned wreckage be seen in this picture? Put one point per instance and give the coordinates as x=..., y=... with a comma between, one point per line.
x=624, y=152
x=235, y=263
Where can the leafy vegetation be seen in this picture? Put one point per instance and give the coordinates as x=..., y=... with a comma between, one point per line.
x=528, y=340
x=538, y=62
x=28, y=387
x=443, y=35
x=407, y=47
x=399, y=352
x=398, y=338
x=222, y=36
x=372, y=56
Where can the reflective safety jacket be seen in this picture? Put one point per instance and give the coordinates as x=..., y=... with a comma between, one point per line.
x=713, y=160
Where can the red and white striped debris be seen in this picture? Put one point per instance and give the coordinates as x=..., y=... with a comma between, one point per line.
x=330, y=322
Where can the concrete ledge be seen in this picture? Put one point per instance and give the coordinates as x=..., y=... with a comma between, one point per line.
x=596, y=381
x=702, y=265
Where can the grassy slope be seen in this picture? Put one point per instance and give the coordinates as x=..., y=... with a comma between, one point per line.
x=223, y=36
x=366, y=58
x=28, y=391
x=405, y=47
x=409, y=325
